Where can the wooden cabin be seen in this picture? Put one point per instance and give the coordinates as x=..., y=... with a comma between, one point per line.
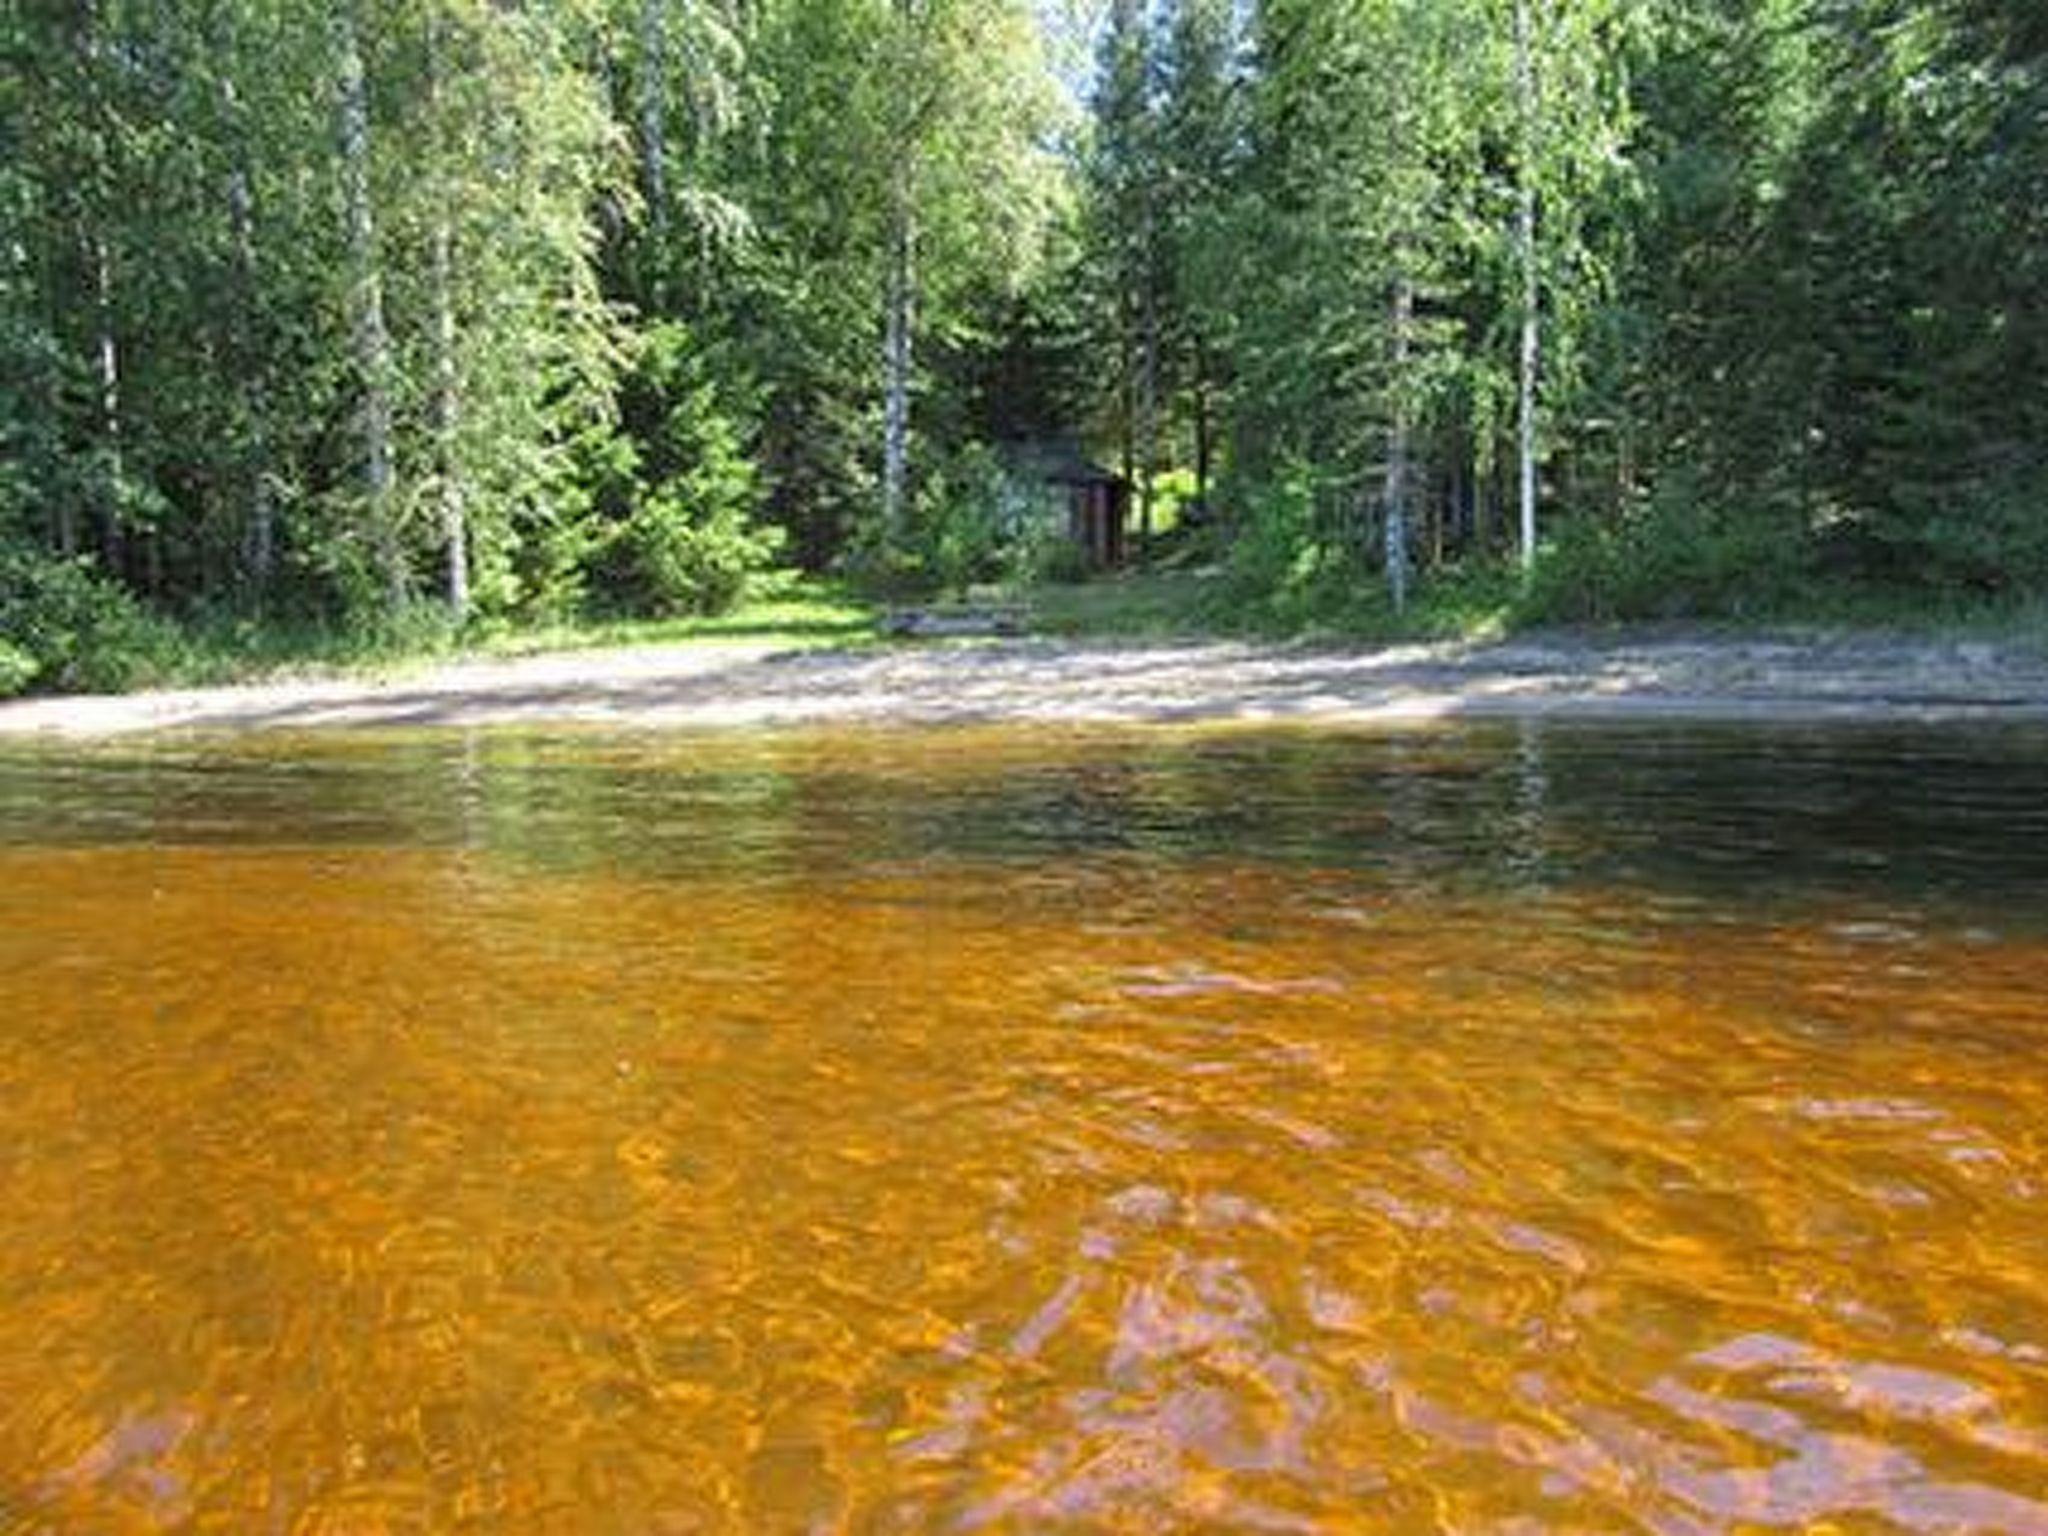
x=1098, y=508
x=1054, y=483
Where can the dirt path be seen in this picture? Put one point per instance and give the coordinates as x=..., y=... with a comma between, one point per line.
x=708, y=685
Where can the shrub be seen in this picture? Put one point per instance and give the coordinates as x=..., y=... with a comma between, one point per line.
x=889, y=570
x=1678, y=557
x=17, y=669
x=961, y=523
x=683, y=488
x=1982, y=535
x=71, y=630
x=694, y=558
x=969, y=523
x=1298, y=558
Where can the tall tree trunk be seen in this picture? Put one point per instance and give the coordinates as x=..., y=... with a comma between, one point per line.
x=447, y=406
x=1624, y=461
x=1126, y=385
x=1437, y=509
x=371, y=338
x=898, y=322
x=1148, y=368
x=1525, y=241
x=107, y=361
x=65, y=527
x=100, y=259
x=1457, y=513
x=1396, y=491
x=654, y=114
x=1482, y=508
x=259, y=532
x=447, y=410
x=1204, y=427
x=63, y=509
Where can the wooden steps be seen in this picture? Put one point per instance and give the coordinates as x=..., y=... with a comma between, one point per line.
x=951, y=621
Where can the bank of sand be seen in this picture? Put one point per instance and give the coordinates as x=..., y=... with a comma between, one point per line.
x=722, y=685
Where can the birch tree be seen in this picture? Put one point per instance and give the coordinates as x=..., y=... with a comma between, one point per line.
x=259, y=535
x=899, y=280
x=1525, y=254
x=372, y=338
x=1395, y=497
x=447, y=400
x=962, y=102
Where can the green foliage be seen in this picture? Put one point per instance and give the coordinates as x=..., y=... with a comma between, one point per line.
x=65, y=628
x=17, y=669
x=1991, y=536
x=685, y=493
x=1790, y=278
x=1837, y=291
x=693, y=557
x=1281, y=556
x=959, y=522
x=948, y=541
x=974, y=522
x=1682, y=556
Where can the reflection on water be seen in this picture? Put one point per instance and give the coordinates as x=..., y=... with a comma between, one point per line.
x=1504, y=1130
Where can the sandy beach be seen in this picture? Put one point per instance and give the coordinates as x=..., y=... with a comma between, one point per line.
x=729, y=685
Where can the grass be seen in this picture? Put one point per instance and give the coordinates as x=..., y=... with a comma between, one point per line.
x=1202, y=602
x=2020, y=623
x=1491, y=603
x=1135, y=605
x=799, y=613
x=792, y=612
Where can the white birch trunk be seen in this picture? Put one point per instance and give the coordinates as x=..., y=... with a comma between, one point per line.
x=1525, y=241
x=897, y=360
x=259, y=534
x=447, y=407
x=107, y=356
x=1396, y=490
x=447, y=413
x=372, y=340
x=106, y=344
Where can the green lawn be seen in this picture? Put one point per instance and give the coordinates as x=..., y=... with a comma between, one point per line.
x=1197, y=602
x=800, y=613
x=1486, y=604
x=1162, y=605
x=792, y=612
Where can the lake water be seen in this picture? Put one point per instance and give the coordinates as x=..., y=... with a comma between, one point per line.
x=1513, y=1129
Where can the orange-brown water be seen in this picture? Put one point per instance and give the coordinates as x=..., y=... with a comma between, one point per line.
x=1500, y=1131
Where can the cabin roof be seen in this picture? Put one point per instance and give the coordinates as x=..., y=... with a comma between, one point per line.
x=1058, y=461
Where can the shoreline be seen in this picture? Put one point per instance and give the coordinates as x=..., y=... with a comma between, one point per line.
x=708, y=685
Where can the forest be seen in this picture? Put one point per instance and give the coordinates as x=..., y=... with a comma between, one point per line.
x=411, y=316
